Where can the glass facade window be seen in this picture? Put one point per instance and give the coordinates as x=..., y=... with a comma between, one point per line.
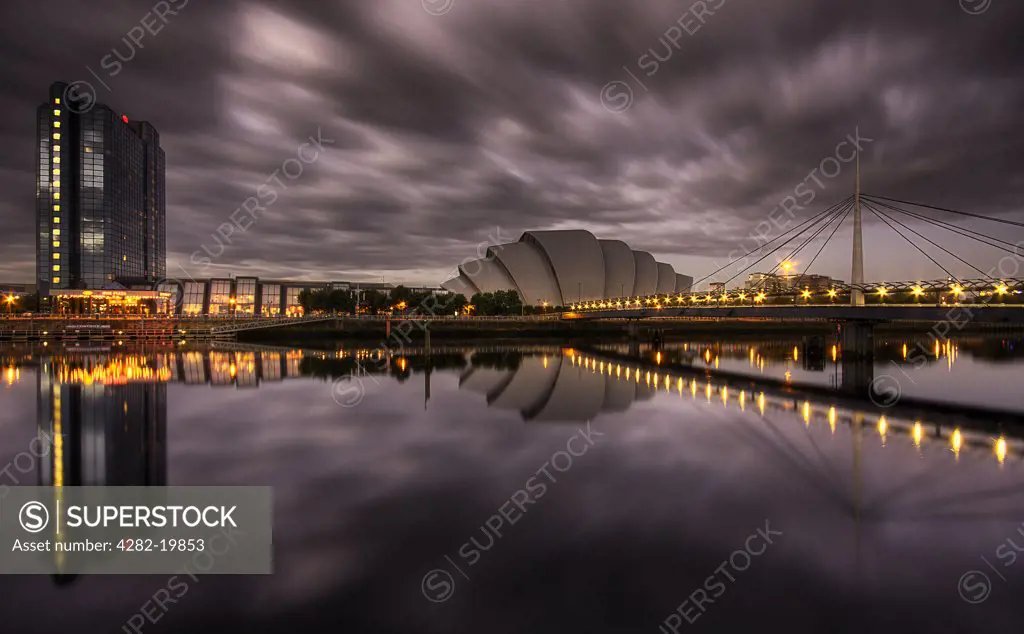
x=192, y=302
x=270, y=300
x=292, y=305
x=245, y=295
x=220, y=297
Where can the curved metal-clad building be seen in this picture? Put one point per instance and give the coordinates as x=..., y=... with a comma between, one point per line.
x=460, y=286
x=486, y=273
x=646, y=274
x=684, y=283
x=576, y=259
x=528, y=267
x=619, y=268
x=559, y=268
x=666, y=278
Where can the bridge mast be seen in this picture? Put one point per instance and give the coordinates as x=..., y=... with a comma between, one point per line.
x=857, y=275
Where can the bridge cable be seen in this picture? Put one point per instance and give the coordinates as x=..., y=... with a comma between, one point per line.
x=783, y=235
x=827, y=240
x=952, y=211
x=775, y=268
x=818, y=231
x=872, y=209
x=945, y=250
x=800, y=248
x=963, y=231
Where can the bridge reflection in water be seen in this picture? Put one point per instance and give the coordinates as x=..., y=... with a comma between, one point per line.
x=573, y=385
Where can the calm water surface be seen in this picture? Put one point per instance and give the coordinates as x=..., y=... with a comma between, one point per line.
x=552, y=489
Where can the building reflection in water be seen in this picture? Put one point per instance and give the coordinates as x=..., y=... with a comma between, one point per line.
x=567, y=385
x=106, y=408
x=107, y=418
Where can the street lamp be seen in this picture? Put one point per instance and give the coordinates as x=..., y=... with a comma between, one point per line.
x=10, y=300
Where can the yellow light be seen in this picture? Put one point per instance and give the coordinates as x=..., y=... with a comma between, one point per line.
x=957, y=289
x=787, y=266
x=760, y=297
x=56, y=160
x=56, y=195
x=56, y=280
x=56, y=268
x=832, y=293
x=56, y=148
x=56, y=100
x=725, y=297
x=56, y=184
x=917, y=291
x=56, y=111
x=1001, y=450
x=56, y=124
x=796, y=353
x=743, y=296
x=56, y=244
x=709, y=298
x=657, y=358
x=56, y=171
x=832, y=419
x=695, y=298
x=806, y=294
x=56, y=220
x=918, y=434
x=883, y=426
x=760, y=403
x=56, y=136
x=883, y=291
x=1002, y=289
x=956, y=441
x=807, y=413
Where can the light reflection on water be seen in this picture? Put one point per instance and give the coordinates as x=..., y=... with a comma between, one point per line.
x=881, y=514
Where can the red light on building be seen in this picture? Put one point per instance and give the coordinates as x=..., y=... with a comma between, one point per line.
x=124, y=118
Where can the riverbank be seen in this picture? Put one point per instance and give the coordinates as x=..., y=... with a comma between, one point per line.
x=374, y=333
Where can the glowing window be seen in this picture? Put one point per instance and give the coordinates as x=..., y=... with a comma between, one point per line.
x=56, y=195
x=56, y=232
x=56, y=148
x=56, y=207
x=56, y=220
x=56, y=183
x=56, y=136
x=56, y=256
x=56, y=124
x=56, y=280
x=56, y=268
x=56, y=100
x=56, y=112
x=56, y=244
x=56, y=171
x=56, y=160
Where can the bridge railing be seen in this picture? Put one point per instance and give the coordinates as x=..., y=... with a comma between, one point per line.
x=943, y=292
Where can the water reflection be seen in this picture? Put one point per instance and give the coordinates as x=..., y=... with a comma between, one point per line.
x=368, y=499
x=106, y=407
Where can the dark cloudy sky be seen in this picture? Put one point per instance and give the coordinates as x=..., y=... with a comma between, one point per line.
x=453, y=118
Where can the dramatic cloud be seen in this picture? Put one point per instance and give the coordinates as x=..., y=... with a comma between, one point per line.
x=446, y=119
